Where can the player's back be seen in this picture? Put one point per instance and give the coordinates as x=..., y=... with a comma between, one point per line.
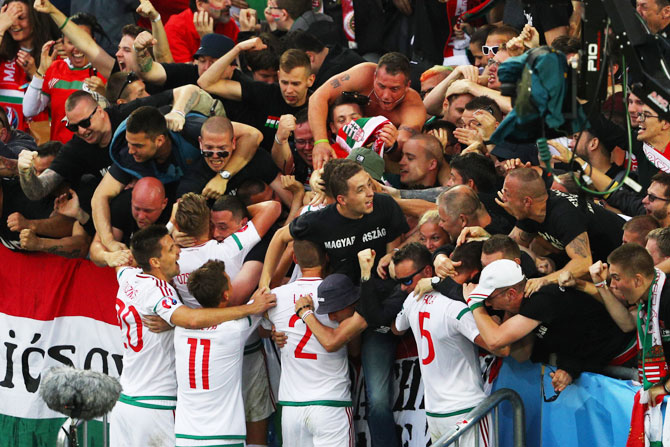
x=148, y=359
x=444, y=330
x=209, y=377
x=310, y=374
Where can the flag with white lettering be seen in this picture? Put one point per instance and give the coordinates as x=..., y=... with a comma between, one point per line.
x=54, y=311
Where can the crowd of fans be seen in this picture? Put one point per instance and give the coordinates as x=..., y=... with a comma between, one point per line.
x=348, y=181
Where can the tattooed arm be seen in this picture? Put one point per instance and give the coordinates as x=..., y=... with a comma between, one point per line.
x=359, y=78
x=521, y=237
x=36, y=187
x=579, y=251
x=149, y=71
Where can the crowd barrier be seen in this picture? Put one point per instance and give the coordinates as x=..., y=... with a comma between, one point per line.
x=57, y=311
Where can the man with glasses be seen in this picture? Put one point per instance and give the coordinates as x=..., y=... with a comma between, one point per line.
x=446, y=335
x=125, y=87
x=564, y=321
x=218, y=141
x=654, y=132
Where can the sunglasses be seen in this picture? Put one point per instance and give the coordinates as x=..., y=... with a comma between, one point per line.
x=544, y=396
x=211, y=154
x=84, y=124
x=407, y=280
x=356, y=97
x=132, y=77
x=490, y=49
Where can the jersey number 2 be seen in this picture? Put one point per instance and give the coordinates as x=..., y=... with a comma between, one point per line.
x=424, y=333
x=193, y=343
x=299, y=354
x=122, y=317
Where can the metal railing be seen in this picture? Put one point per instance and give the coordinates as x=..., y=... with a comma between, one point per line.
x=489, y=404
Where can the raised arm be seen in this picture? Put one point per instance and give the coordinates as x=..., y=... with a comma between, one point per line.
x=212, y=79
x=36, y=187
x=150, y=71
x=162, y=46
x=79, y=38
x=619, y=313
x=277, y=246
x=264, y=215
x=108, y=188
x=359, y=79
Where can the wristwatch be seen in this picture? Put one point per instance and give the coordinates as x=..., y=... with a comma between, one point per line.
x=435, y=280
x=224, y=175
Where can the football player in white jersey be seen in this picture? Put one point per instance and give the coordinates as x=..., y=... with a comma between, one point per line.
x=210, y=409
x=144, y=414
x=314, y=389
x=192, y=217
x=446, y=335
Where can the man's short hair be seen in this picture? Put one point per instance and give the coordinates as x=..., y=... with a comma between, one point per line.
x=501, y=243
x=662, y=238
x=295, y=58
x=115, y=87
x=641, y=225
x=632, y=259
x=460, y=200
x=436, y=70
x=566, y=44
x=308, y=254
x=504, y=30
x=328, y=169
x=301, y=116
x=232, y=204
x=249, y=188
x=295, y=8
x=208, y=283
x=485, y=103
x=341, y=174
x=395, y=63
x=146, y=244
x=49, y=148
x=478, y=168
x=481, y=33
x=534, y=186
x=305, y=41
x=132, y=30
x=416, y=252
x=350, y=98
x=76, y=97
x=192, y=216
x=431, y=146
x=664, y=179
x=217, y=125
x=469, y=255
x=265, y=59
x=148, y=120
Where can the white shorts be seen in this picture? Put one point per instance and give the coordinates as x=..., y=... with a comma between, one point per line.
x=256, y=393
x=210, y=442
x=318, y=426
x=439, y=426
x=132, y=426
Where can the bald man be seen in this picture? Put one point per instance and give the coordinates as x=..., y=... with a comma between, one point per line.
x=148, y=205
x=421, y=161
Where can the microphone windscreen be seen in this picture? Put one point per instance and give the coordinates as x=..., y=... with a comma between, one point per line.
x=78, y=393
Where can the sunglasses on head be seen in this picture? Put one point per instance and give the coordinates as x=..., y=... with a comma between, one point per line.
x=84, y=124
x=492, y=49
x=132, y=77
x=356, y=97
x=211, y=154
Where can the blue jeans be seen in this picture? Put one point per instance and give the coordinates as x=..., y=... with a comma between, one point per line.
x=378, y=356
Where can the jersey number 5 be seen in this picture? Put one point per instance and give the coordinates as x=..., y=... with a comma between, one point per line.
x=193, y=343
x=122, y=317
x=424, y=333
x=303, y=341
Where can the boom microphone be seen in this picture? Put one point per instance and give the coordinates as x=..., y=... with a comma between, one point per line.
x=79, y=393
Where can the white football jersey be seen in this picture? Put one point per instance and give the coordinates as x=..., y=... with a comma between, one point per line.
x=148, y=359
x=444, y=330
x=209, y=378
x=231, y=251
x=310, y=374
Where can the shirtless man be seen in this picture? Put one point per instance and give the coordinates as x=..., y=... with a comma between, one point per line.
x=387, y=84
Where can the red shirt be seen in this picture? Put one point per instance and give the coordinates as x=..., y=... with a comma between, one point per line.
x=60, y=81
x=13, y=84
x=184, y=39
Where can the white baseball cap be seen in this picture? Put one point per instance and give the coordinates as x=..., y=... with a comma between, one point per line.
x=498, y=274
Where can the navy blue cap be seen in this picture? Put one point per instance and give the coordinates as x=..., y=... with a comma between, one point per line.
x=214, y=45
x=335, y=293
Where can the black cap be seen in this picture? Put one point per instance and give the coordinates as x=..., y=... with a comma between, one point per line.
x=335, y=293
x=214, y=45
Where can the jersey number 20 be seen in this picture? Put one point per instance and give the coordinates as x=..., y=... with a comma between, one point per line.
x=299, y=354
